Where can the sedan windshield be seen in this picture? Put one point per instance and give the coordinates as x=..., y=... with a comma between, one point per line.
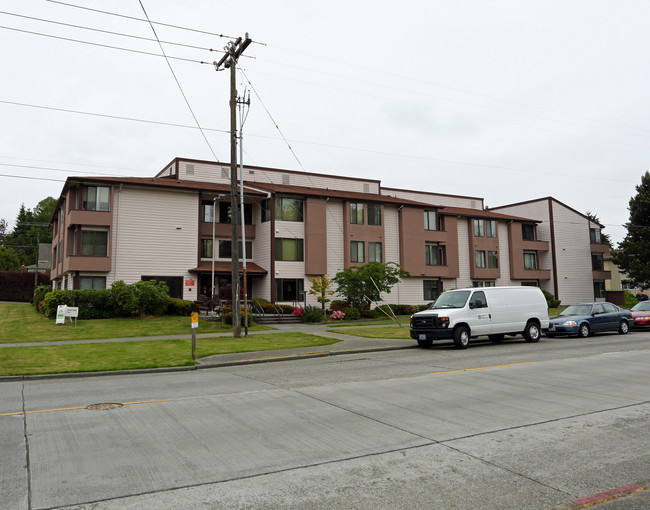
x=643, y=306
x=577, y=310
x=451, y=300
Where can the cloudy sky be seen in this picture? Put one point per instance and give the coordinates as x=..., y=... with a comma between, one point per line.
x=508, y=100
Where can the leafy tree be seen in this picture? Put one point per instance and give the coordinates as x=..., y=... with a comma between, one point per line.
x=320, y=287
x=31, y=227
x=633, y=257
x=364, y=284
x=9, y=259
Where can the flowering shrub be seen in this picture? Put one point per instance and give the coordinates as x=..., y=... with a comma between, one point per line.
x=338, y=315
x=297, y=311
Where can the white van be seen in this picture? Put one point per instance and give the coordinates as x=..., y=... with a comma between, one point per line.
x=484, y=311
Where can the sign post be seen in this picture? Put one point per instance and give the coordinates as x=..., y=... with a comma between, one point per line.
x=195, y=324
x=72, y=312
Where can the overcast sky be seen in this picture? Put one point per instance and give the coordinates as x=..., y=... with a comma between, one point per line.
x=508, y=100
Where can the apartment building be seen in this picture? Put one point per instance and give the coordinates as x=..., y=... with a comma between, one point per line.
x=176, y=227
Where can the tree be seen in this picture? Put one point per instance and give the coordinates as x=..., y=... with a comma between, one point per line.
x=320, y=287
x=604, y=238
x=633, y=257
x=32, y=227
x=364, y=284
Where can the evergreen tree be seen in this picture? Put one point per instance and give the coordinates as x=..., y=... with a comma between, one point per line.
x=633, y=257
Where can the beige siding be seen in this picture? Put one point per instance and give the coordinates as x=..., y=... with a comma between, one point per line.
x=335, y=259
x=391, y=234
x=155, y=233
x=465, y=255
x=573, y=249
x=504, y=254
x=435, y=199
x=262, y=251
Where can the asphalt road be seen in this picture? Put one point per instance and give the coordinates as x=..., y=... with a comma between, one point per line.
x=509, y=426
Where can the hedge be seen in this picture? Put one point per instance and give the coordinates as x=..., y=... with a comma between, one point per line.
x=19, y=285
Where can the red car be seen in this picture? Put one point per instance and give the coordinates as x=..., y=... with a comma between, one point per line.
x=641, y=314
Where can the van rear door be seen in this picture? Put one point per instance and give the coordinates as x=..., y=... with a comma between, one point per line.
x=479, y=317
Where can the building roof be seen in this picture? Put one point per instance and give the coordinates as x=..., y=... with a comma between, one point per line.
x=479, y=213
x=221, y=267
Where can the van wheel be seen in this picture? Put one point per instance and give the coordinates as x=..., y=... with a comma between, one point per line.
x=532, y=332
x=496, y=338
x=461, y=337
x=425, y=344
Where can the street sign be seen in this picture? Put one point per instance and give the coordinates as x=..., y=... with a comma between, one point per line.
x=195, y=320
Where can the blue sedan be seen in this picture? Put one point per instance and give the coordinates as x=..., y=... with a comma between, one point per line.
x=588, y=318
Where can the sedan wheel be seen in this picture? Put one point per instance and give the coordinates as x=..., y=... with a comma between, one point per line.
x=583, y=331
x=624, y=327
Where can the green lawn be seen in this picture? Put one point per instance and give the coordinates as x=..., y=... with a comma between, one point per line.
x=54, y=359
x=19, y=322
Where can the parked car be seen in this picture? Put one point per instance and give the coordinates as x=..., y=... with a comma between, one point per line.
x=585, y=319
x=641, y=314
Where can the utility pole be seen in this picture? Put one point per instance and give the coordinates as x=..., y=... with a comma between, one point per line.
x=229, y=60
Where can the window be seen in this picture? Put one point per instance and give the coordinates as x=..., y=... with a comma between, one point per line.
x=92, y=282
x=599, y=289
x=356, y=214
x=374, y=214
x=478, y=300
x=597, y=261
x=610, y=308
x=288, y=289
x=431, y=290
x=594, y=236
x=174, y=284
x=479, y=256
x=493, y=259
x=530, y=260
x=357, y=249
x=289, y=250
x=266, y=210
x=288, y=209
x=434, y=254
x=94, y=243
x=431, y=220
x=487, y=283
x=206, y=248
x=225, y=251
x=528, y=231
x=490, y=228
x=207, y=211
x=95, y=198
x=374, y=252
x=224, y=213
x=479, y=228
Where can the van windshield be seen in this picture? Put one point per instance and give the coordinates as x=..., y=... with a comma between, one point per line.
x=455, y=299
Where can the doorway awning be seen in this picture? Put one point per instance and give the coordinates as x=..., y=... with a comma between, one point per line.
x=225, y=268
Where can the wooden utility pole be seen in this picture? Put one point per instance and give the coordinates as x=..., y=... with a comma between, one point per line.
x=229, y=60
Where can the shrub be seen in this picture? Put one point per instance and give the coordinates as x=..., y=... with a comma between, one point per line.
x=39, y=295
x=550, y=299
x=337, y=315
x=338, y=304
x=313, y=314
x=181, y=307
x=630, y=299
x=351, y=313
x=53, y=300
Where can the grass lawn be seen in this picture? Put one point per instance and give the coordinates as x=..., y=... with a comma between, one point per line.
x=55, y=359
x=20, y=322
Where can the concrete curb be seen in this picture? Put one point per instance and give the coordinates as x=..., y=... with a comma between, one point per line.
x=199, y=366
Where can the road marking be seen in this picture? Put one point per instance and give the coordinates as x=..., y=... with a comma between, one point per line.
x=79, y=407
x=482, y=368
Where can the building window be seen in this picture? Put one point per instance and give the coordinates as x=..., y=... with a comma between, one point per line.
x=207, y=211
x=597, y=262
x=599, y=289
x=490, y=228
x=92, y=282
x=434, y=254
x=528, y=232
x=206, y=248
x=356, y=214
x=479, y=256
x=289, y=289
x=288, y=209
x=94, y=243
x=266, y=210
x=594, y=236
x=224, y=213
x=479, y=228
x=431, y=290
x=290, y=250
x=432, y=221
x=530, y=260
x=225, y=250
x=95, y=198
x=374, y=251
x=493, y=259
x=357, y=249
x=483, y=283
x=374, y=214
x=627, y=285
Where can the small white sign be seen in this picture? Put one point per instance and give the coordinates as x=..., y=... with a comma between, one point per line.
x=60, y=314
x=72, y=311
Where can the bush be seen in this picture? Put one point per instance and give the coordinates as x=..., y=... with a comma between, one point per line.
x=338, y=304
x=351, y=313
x=53, y=300
x=313, y=314
x=39, y=295
x=181, y=307
x=630, y=299
x=550, y=299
